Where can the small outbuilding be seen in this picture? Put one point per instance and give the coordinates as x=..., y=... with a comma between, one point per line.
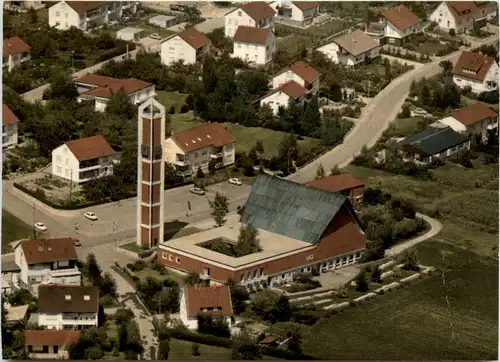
x=130, y=34
x=163, y=21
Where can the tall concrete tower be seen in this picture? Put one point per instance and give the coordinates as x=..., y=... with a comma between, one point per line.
x=150, y=173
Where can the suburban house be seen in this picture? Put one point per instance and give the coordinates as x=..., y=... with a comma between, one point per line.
x=461, y=15
x=69, y=307
x=196, y=147
x=479, y=72
x=300, y=72
x=345, y=183
x=189, y=46
x=436, y=142
x=11, y=275
x=15, y=51
x=300, y=12
x=255, y=14
x=84, y=159
x=99, y=89
x=475, y=119
x=10, y=127
x=86, y=15
x=213, y=301
x=49, y=344
x=301, y=229
x=282, y=96
x=254, y=45
x=16, y=315
x=351, y=49
x=400, y=23
x=47, y=261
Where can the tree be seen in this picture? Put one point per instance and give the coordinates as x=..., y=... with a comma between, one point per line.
x=311, y=119
x=376, y=275
x=62, y=87
x=93, y=270
x=239, y=296
x=108, y=285
x=335, y=92
x=335, y=171
x=446, y=67
x=248, y=241
x=259, y=147
x=387, y=67
x=164, y=349
x=119, y=105
x=199, y=173
x=295, y=342
x=211, y=167
x=220, y=208
x=405, y=112
x=410, y=260
x=195, y=349
x=320, y=172
x=245, y=349
x=33, y=16
x=209, y=325
x=281, y=311
x=361, y=283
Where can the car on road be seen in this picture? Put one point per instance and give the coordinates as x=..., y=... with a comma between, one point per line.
x=235, y=181
x=197, y=191
x=40, y=226
x=155, y=36
x=76, y=242
x=90, y=215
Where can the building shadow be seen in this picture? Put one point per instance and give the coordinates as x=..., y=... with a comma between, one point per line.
x=170, y=228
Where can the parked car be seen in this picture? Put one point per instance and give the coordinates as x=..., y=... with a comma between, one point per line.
x=40, y=226
x=155, y=36
x=235, y=181
x=76, y=242
x=90, y=215
x=197, y=191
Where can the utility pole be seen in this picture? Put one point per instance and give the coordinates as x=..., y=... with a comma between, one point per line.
x=70, y=184
x=34, y=230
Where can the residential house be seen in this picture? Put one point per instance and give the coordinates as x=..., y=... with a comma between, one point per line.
x=86, y=15
x=400, y=24
x=99, y=89
x=189, y=46
x=49, y=344
x=461, y=15
x=84, y=159
x=196, y=147
x=11, y=275
x=16, y=315
x=345, y=183
x=302, y=73
x=476, y=119
x=15, y=51
x=70, y=307
x=433, y=143
x=283, y=96
x=47, y=260
x=22, y=5
x=254, y=45
x=301, y=13
x=256, y=14
x=479, y=72
x=213, y=301
x=351, y=49
x=10, y=128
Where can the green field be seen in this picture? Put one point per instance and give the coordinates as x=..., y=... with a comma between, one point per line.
x=181, y=350
x=13, y=229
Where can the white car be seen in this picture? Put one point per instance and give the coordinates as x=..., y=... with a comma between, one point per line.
x=197, y=191
x=90, y=215
x=155, y=36
x=40, y=226
x=235, y=181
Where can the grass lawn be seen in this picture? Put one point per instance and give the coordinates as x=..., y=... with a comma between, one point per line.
x=133, y=247
x=13, y=229
x=404, y=127
x=181, y=350
x=430, y=47
x=469, y=101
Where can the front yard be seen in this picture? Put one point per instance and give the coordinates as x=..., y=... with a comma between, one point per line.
x=13, y=229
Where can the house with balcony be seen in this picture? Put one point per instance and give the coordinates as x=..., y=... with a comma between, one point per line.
x=213, y=301
x=254, y=45
x=300, y=72
x=49, y=344
x=99, y=89
x=351, y=49
x=400, y=23
x=15, y=52
x=477, y=72
x=283, y=96
x=10, y=128
x=68, y=307
x=195, y=148
x=86, y=15
x=476, y=119
x=84, y=159
x=189, y=46
x=47, y=261
x=296, y=13
x=461, y=15
x=255, y=14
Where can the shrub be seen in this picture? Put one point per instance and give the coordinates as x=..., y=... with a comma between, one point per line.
x=195, y=349
x=145, y=254
x=137, y=266
x=107, y=301
x=184, y=108
x=452, y=32
x=171, y=110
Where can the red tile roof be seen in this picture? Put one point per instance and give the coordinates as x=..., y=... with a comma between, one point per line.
x=14, y=45
x=216, y=297
x=84, y=6
x=48, y=250
x=8, y=117
x=473, y=114
x=128, y=86
x=96, y=80
x=248, y=34
x=206, y=135
x=472, y=62
x=257, y=10
x=50, y=337
x=305, y=5
x=194, y=38
x=401, y=17
x=461, y=8
x=356, y=42
x=336, y=183
x=291, y=88
x=303, y=70
x=58, y=298
x=90, y=148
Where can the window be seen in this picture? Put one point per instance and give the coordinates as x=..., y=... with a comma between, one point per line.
x=283, y=276
x=66, y=15
x=58, y=23
x=177, y=260
x=58, y=169
x=86, y=297
x=206, y=271
x=170, y=257
x=66, y=24
x=239, y=13
x=344, y=258
x=67, y=297
x=164, y=255
x=351, y=257
x=58, y=13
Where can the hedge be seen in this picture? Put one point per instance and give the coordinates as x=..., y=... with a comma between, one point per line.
x=145, y=253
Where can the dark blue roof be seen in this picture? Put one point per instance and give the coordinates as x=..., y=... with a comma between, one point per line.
x=290, y=209
x=434, y=140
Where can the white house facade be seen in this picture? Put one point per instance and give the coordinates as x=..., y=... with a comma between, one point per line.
x=461, y=16
x=256, y=14
x=476, y=71
x=400, y=23
x=254, y=45
x=15, y=52
x=301, y=73
x=11, y=276
x=49, y=344
x=189, y=46
x=10, y=128
x=301, y=12
x=476, y=119
x=283, y=96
